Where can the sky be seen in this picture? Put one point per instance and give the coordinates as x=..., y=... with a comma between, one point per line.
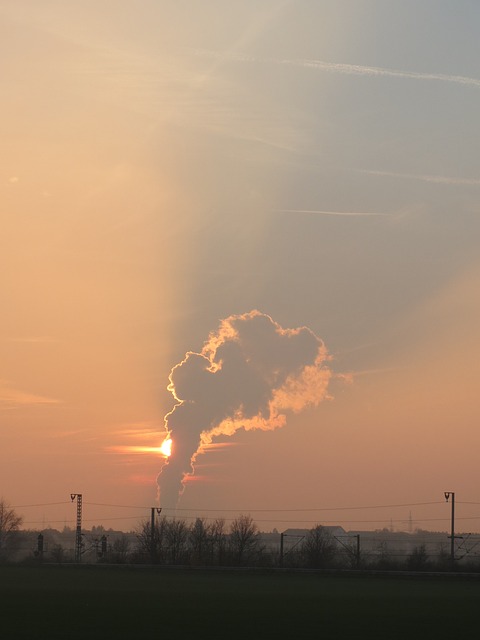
x=173, y=168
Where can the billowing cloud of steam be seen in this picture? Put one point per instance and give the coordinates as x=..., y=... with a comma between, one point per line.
x=248, y=375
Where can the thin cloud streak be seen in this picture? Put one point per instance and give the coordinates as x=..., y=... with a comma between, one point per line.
x=360, y=70
x=346, y=69
x=425, y=178
x=334, y=213
x=12, y=398
x=33, y=340
x=147, y=429
x=369, y=372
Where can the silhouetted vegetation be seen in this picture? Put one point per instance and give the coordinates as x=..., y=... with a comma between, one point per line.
x=10, y=538
x=244, y=541
x=203, y=543
x=319, y=548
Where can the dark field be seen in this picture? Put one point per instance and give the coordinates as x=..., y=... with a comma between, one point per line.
x=72, y=602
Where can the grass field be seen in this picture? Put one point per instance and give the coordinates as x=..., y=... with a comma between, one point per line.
x=71, y=602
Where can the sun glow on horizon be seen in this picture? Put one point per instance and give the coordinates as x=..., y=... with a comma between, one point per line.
x=165, y=449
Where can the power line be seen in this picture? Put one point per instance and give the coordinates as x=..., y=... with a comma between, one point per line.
x=84, y=520
x=199, y=513
x=124, y=506
x=194, y=517
x=44, y=504
x=382, y=506
x=284, y=510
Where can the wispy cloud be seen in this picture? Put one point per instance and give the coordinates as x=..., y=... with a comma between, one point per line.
x=147, y=437
x=32, y=339
x=370, y=372
x=140, y=430
x=360, y=70
x=12, y=398
x=425, y=178
x=347, y=69
x=333, y=213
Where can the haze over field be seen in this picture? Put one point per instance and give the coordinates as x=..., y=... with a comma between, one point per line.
x=169, y=165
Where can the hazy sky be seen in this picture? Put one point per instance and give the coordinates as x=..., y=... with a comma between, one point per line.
x=167, y=164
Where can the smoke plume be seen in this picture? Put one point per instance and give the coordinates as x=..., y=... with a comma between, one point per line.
x=250, y=373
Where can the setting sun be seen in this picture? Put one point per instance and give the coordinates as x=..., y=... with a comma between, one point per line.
x=166, y=447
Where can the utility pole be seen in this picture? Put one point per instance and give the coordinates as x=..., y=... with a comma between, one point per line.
x=447, y=495
x=78, y=530
x=103, y=541
x=289, y=535
x=152, y=531
x=357, y=555
x=40, y=546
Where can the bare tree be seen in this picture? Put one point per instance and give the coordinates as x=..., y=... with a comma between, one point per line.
x=244, y=539
x=10, y=523
x=177, y=536
x=146, y=544
x=217, y=541
x=207, y=542
x=152, y=544
x=418, y=559
x=385, y=558
x=319, y=548
x=199, y=538
x=57, y=553
x=120, y=549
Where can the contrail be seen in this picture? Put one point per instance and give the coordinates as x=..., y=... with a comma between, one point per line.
x=360, y=70
x=332, y=213
x=425, y=178
x=250, y=373
x=344, y=68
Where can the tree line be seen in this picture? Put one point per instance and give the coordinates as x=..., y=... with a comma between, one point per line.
x=167, y=541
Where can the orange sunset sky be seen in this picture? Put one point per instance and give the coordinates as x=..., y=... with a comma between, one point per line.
x=166, y=165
